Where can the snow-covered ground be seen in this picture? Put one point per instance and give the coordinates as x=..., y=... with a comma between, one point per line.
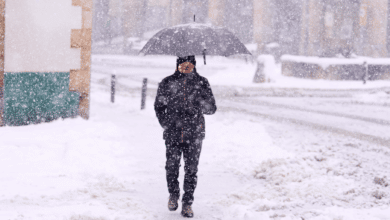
x=290, y=149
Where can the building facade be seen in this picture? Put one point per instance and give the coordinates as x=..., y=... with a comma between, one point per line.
x=45, y=60
x=325, y=28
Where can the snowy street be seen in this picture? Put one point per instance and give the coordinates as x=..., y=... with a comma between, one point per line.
x=293, y=148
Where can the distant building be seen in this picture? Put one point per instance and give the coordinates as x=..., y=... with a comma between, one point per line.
x=300, y=27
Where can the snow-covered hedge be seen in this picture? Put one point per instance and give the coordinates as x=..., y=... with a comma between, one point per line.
x=336, y=68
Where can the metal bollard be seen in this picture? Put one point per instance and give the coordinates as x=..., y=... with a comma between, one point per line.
x=113, y=88
x=365, y=74
x=144, y=88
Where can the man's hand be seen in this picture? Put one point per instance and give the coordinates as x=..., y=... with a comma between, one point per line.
x=191, y=107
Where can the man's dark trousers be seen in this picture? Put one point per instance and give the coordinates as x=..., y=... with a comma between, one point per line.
x=191, y=152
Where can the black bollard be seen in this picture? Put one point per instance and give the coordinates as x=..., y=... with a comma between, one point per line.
x=113, y=88
x=365, y=74
x=144, y=88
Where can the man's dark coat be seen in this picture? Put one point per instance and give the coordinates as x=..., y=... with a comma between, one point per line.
x=181, y=101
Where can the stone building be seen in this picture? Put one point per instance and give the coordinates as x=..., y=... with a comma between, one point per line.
x=323, y=28
x=45, y=60
x=332, y=27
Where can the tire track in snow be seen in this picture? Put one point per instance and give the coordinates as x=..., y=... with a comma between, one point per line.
x=357, y=135
x=337, y=114
x=384, y=105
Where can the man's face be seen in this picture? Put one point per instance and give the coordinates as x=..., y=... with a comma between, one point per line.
x=186, y=67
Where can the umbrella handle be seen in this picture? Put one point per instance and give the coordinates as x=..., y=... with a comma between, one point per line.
x=204, y=56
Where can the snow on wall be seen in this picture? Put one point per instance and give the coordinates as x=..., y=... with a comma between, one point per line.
x=326, y=62
x=37, y=35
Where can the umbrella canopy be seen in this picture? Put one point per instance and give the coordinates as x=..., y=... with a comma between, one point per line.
x=194, y=39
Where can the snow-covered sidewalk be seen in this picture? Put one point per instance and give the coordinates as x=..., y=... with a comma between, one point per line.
x=112, y=166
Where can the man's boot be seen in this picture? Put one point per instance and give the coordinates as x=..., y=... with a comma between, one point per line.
x=187, y=211
x=172, y=203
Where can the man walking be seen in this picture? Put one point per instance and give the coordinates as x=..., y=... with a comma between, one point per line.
x=181, y=101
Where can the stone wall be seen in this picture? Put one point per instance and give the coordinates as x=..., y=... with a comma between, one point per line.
x=336, y=69
x=45, y=60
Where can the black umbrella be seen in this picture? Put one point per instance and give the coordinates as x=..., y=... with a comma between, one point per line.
x=194, y=39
